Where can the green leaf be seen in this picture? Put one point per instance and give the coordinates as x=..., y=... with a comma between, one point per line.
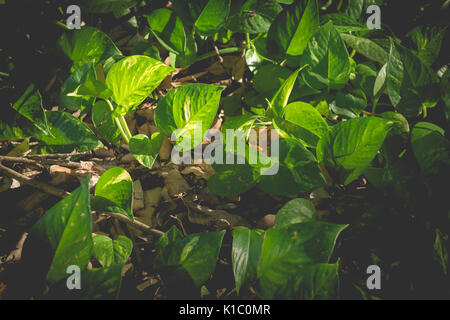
x=232, y=180
x=428, y=41
x=186, y=108
x=357, y=8
x=246, y=251
x=366, y=75
x=213, y=17
x=105, y=6
x=380, y=84
x=133, y=79
x=304, y=122
x=101, y=283
x=168, y=29
x=269, y=78
x=295, y=211
x=411, y=85
x=298, y=171
x=93, y=88
x=328, y=60
x=343, y=22
x=87, y=44
x=67, y=229
x=114, y=192
x=290, y=32
x=253, y=59
x=430, y=147
x=172, y=235
x=281, y=97
x=29, y=106
x=109, y=252
x=103, y=250
x=188, y=11
x=445, y=92
x=146, y=150
x=254, y=16
x=68, y=133
x=352, y=145
x=354, y=100
x=400, y=125
x=26, y=118
x=366, y=47
x=77, y=78
x=241, y=126
x=145, y=49
x=289, y=257
x=189, y=55
x=105, y=124
x=191, y=259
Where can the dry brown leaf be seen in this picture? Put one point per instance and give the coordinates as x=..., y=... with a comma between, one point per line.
x=138, y=196
x=175, y=183
x=166, y=149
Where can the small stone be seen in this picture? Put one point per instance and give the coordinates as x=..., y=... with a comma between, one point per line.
x=266, y=222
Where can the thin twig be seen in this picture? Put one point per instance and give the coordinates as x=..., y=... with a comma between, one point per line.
x=135, y=223
x=39, y=163
x=36, y=184
x=60, y=155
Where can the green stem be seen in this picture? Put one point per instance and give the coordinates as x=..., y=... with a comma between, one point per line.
x=119, y=123
x=374, y=105
x=125, y=127
x=249, y=43
x=59, y=23
x=221, y=52
x=425, y=112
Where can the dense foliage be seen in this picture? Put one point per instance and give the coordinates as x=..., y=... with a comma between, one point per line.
x=355, y=108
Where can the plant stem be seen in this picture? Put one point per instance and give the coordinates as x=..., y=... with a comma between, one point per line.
x=249, y=43
x=374, y=105
x=221, y=52
x=125, y=127
x=119, y=123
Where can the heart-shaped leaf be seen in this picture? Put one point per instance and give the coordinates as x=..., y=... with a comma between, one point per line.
x=109, y=252
x=87, y=44
x=133, y=79
x=328, y=60
x=288, y=255
x=114, y=192
x=303, y=122
x=146, y=150
x=187, y=109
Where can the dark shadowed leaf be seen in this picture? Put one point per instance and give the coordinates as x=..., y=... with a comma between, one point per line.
x=67, y=228
x=246, y=251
